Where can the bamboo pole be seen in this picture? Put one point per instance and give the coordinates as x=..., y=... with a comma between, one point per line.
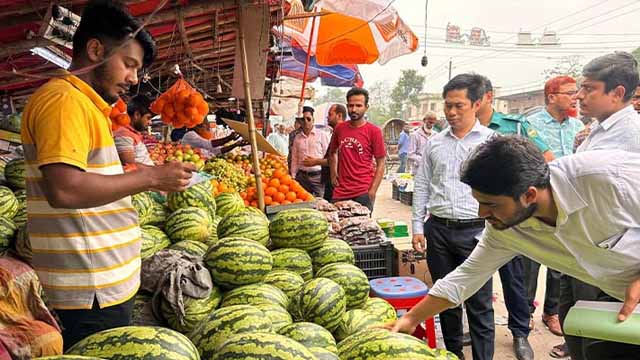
x=249, y=107
x=306, y=65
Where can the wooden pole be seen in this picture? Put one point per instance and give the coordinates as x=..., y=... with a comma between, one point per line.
x=306, y=65
x=249, y=108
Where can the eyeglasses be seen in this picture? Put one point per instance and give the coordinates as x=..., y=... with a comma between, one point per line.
x=570, y=93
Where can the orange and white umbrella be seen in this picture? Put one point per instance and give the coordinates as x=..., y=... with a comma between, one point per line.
x=351, y=32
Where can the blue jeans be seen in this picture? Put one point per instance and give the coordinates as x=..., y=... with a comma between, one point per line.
x=403, y=163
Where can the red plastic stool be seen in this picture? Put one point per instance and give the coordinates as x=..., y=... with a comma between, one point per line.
x=403, y=293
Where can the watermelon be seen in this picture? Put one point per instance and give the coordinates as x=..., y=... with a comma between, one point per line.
x=68, y=357
x=380, y=309
x=295, y=260
x=190, y=246
x=7, y=232
x=246, y=224
x=20, y=218
x=158, y=214
x=216, y=328
x=332, y=251
x=262, y=346
x=255, y=294
x=443, y=354
x=14, y=173
x=142, y=314
x=305, y=229
x=143, y=204
x=321, y=301
x=235, y=262
x=310, y=335
x=381, y=344
x=353, y=280
x=153, y=240
x=8, y=203
x=213, y=231
x=198, y=195
x=229, y=204
x=279, y=316
x=354, y=321
x=195, y=310
x=323, y=354
x=23, y=245
x=255, y=211
x=285, y=280
x=189, y=223
x=135, y=342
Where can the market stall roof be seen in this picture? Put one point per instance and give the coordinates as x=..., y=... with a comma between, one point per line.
x=198, y=35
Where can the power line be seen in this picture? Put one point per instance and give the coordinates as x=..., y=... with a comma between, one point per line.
x=517, y=32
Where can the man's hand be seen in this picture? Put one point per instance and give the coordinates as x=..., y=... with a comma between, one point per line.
x=309, y=161
x=419, y=243
x=631, y=300
x=334, y=181
x=406, y=324
x=372, y=196
x=170, y=177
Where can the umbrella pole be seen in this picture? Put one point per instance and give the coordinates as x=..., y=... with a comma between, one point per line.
x=306, y=65
x=249, y=106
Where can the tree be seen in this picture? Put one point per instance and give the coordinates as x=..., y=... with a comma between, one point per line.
x=379, y=102
x=334, y=95
x=406, y=91
x=568, y=65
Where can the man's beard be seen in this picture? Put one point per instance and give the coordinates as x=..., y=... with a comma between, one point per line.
x=101, y=77
x=355, y=116
x=521, y=215
x=139, y=126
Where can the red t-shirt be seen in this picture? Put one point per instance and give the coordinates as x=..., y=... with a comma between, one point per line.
x=357, y=150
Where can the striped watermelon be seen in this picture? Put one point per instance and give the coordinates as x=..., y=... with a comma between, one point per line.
x=158, y=214
x=262, y=346
x=213, y=231
x=198, y=195
x=321, y=301
x=332, y=251
x=255, y=211
x=190, y=246
x=305, y=229
x=8, y=203
x=353, y=280
x=143, y=204
x=153, y=240
x=380, y=344
x=68, y=357
x=142, y=313
x=7, y=232
x=354, y=321
x=14, y=173
x=285, y=280
x=255, y=294
x=323, y=354
x=20, y=218
x=246, y=224
x=229, y=204
x=236, y=261
x=23, y=245
x=279, y=316
x=135, y=342
x=310, y=335
x=188, y=224
x=195, y=310
x=221, y=324
x=295, y=260
x=380, y=309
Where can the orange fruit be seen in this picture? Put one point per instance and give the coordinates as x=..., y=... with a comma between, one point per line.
x=270, y=191
x=243, y=195
x=246, y=202
x=215, y=183
x=274, y=182
x=279, y=174
x=291, y=196
x=268, y=200
x=223, y=187
x=254, y=203
x=275, y=203
x=280, y=197
x=286, y=180
x=295, y=186
x=297, y=201
x=283, y=189
x=286, y=202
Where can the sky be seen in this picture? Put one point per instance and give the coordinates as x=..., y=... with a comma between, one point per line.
x=588, y=28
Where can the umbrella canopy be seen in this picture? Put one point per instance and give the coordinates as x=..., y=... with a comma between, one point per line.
x=353, y=32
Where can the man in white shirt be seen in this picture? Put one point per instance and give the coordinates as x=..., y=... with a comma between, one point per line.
x=579, y=214
x=309, y=143
x=278, y=139
x=450, y=232
x=419, y=138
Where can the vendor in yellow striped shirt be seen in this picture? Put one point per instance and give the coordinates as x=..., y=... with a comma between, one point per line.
x=83, y=229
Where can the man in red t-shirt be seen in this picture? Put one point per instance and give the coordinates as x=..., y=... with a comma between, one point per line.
x=357, y=154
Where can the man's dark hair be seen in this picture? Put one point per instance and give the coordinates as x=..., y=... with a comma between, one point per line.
x=340, y=109
x=473, y=83
x=618, y=68
x=139, y=103
x=505, y=165
x=488, y=86
x=358, y=91
x=308, y=109
x=110, y=22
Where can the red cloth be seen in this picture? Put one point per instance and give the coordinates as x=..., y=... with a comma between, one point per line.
x=357, y=150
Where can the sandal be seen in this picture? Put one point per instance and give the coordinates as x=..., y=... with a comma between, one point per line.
x=560, y=351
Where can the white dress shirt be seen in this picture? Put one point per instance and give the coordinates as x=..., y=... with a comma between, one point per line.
x=196, y=141
x=619, y=131
x=597, y=234
x=417, y=142
x=437, y=186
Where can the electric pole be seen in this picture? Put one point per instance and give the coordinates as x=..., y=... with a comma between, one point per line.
x=450, y=63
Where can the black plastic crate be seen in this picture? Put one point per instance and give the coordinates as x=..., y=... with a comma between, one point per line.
x=406, y=198
x=395, y=192
x=380, y=260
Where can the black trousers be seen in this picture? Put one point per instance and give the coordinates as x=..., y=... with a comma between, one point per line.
x=446, y=249
x=572, y=290
x=311, y=182
x=515, y=296
x=552, y=291
x=78, y=324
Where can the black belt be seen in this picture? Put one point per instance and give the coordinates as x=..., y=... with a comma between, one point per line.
x=458, y=224
x=310, y=173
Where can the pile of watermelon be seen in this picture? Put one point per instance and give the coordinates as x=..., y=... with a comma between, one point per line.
x=13, y=204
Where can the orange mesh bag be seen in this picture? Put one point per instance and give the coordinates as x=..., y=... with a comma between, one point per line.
x=181, y=105
x=119, y=116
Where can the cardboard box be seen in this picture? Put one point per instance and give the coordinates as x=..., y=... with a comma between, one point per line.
x=409, y=264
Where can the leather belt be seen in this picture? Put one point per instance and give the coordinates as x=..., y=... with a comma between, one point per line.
x=311, y=173
x=458, y=224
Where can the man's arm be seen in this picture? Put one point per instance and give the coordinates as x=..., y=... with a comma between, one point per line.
x=529, y=131
x=377, y=179
x=421, y=199
x=69, y=187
